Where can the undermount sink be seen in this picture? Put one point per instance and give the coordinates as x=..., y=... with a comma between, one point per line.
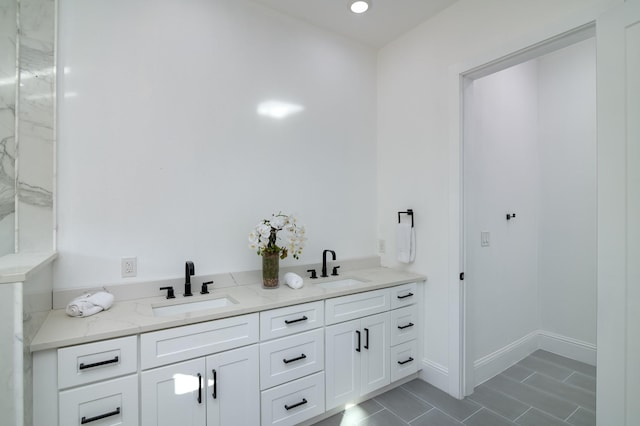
x=347, y=282
x=187, y=307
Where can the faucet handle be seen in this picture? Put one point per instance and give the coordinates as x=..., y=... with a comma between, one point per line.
x=335, y=271
x=170, y=294
x=313, y=273
x=205, y=289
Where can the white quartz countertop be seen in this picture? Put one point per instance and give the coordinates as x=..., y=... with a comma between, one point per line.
x=131, y=317
x=16, y=267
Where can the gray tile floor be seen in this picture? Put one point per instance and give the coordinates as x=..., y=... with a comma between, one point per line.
x=544, y=389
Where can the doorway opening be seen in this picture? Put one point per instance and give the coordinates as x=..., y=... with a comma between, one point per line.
x=528, y=240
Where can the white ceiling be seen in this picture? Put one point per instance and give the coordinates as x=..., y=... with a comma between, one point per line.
x=382, y=23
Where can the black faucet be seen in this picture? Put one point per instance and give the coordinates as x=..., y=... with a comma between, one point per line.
x=189, y=270
x=324, y=262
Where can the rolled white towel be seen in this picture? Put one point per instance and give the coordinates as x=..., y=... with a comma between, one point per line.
x=89, y=304
x=293, y=280
x=102, y=299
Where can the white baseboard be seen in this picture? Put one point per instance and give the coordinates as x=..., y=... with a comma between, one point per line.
x=495, y=363
x=498, y=361
x=435, y=374
x=567, y=346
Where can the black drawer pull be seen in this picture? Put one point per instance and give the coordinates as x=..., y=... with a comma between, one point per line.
x=287, y=361
x=85, y=420
x=402, y=327
x=304, y=318
x=215, y=384
x=358, y=333
x=289, y=407
x=98, y=364
x=366, y=334
x=405, y=361
x=199, y=388
x=405, y=296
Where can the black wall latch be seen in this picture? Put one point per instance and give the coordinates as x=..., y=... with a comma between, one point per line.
x=461, y=276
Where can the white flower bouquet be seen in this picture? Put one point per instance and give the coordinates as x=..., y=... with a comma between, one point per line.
x=265, y=239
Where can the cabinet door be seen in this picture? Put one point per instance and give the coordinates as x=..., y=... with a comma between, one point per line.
x=174, y=395
x=233, y=387
x=342, y=363
x=375, y=352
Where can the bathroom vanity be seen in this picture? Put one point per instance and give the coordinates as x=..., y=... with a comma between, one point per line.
x=273, y=357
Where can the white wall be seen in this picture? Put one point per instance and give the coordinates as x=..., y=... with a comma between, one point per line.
x=162, y=155
x=502, y=176
x=567, y=241
x=418, y=123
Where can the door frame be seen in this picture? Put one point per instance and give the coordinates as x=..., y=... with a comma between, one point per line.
x=460, y=371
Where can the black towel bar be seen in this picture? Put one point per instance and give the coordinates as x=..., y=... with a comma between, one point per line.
x=408, y=212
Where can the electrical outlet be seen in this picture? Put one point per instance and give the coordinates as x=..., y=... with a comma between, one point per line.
x=382, y=246
x=129, y=267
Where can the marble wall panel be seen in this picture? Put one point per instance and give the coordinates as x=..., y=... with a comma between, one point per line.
x=36, y=304
x=36, y=135
x=11, y=356
x=8, y=25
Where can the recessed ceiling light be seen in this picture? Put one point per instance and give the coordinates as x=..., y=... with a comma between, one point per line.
x=360, y=6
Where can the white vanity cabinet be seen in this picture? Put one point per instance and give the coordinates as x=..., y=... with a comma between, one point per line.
x=292, y=364
x=94, y=383
x=222, y=388
x=357, y=351
x=278, y=367
x=403, y=353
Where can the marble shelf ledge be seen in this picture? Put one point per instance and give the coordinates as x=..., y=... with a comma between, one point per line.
x=17, y=267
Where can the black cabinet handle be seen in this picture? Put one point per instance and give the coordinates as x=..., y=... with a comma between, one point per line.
x=358, y=333
x=289, y=407
x=199, y=388
x=287, y=361
x=405, y=296
x=405, y=361
x=215, y=384
x=98, y=364
x=402, y=327
x=304, y=318
x=85, y=420
x=366, y=338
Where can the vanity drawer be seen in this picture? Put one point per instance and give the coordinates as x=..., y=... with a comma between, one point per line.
x=354, y=306
x=181, y=343
x=291, y=357
x=113, y=402
x=403, y=295
x=404, y=324
x=291, y=319
x=82, y=364
x=293, y=402
x=404, y=360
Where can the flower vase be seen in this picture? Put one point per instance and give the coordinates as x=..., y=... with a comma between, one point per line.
x=270, y=270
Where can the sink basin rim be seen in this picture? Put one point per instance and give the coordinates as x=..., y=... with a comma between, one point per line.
x=185, y=307
x=341, y=283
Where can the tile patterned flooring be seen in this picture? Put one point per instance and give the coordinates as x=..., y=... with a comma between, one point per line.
x=544, y=389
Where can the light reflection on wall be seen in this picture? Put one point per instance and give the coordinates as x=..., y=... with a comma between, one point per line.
x=278, y=109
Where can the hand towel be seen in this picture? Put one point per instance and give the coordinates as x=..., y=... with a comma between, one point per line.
x=293, y=280
x=89, y=304
x=406, y=242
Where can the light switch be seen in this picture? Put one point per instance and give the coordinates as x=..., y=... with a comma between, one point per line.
x=485, y=239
